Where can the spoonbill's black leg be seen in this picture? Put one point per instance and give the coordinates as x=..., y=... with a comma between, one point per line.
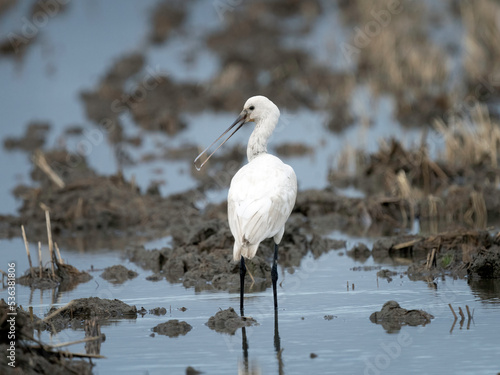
x=277, y=340
x=274, y=276
x=244, y=347
x=243, y=271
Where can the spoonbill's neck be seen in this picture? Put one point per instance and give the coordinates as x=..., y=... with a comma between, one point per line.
x=264, y=127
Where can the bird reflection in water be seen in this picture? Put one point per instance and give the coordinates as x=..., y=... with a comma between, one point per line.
x=252, y=368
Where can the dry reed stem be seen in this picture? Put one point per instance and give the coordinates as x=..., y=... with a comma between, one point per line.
x=396, y=52
x=461, y=313
x=468, y=312
x=32, y=271
x=51, y=244
x=79, y=208
x=86, y=339
x=431, y=259
x=58, y=253
x=453, y=311
x=469, y=142
x=479, y=207
x=66, y=354
x=40, y=257
x=407, y=244
x=54, y=313
x=40, y=160
x=481, y=34
x=406, y=194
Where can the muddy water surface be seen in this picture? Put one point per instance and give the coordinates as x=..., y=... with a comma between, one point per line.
x=318, y=314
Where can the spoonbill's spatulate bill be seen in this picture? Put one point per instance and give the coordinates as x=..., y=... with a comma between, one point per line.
x=262, y=193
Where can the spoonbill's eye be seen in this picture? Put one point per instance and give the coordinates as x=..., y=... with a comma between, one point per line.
x=251, y=108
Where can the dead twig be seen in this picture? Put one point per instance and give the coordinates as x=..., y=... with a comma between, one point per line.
x=468, y=312
x=67, y=354
x=41, y=162
x=87, y=339
x=58, y=253
x=469, y=316
x=59, y=310
x=28, y=252
x=40, y=257
x=51, y=244
x=453, y=311
x=404, y=245
x=431, y=259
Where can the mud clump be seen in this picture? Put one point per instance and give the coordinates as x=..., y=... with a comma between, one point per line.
x=32, y=360
x=66, y=277
x=403, y=184
x=294, y=149
x=86, y=308
x=161, y=109
x=456, y=253
x=149, y=259
x=166, y=17
x=108, y=100
x=359, y=252
x=327, y=210
x=172, y=328
x=386, y=274
x=192, y=371
x=228, y=321
x=158, y=311
x=486, y=264
x=201, y=258
x=90, y=203
x=33, y=138
x=118, y=274
x=393, y=317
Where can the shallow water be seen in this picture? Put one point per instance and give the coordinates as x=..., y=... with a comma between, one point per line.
x=63, y=63
x=348, y=343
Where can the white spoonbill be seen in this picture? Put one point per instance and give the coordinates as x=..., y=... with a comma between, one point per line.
x=262, y=193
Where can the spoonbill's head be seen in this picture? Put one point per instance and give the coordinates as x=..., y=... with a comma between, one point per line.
x=257, y=109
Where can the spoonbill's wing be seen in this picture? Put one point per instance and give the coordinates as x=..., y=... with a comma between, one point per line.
x=261, y=197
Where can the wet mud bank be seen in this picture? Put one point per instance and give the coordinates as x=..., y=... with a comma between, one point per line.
x=229, y=321
x=29, y=354
x=118, y=274
x=76, y=312
x=392, y=317
x=461, y=253
x=200, y=255
x=172, y=328
x=64, y=276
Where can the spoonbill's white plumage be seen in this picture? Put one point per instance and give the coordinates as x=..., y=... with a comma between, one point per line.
x=262, y=193
x=260, y=200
